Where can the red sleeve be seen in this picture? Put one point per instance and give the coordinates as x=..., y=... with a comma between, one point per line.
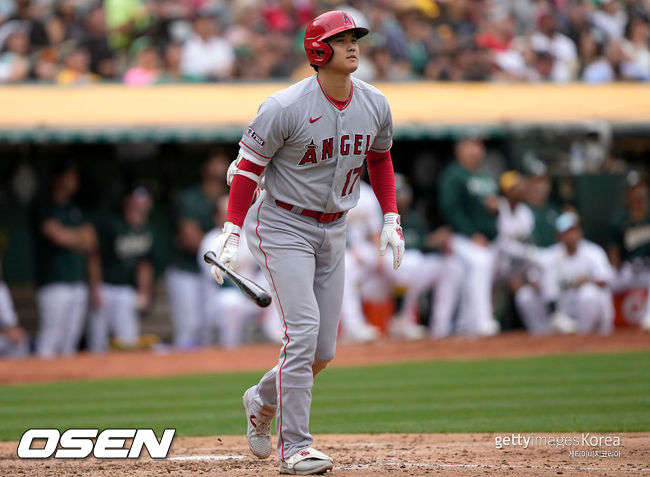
x=382, y=179
x=241, y=193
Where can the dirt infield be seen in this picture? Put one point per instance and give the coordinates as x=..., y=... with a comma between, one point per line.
x=362, y=455
x=165, y=362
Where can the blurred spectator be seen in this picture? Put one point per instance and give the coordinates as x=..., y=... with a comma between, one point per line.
x=172, y=63
x=76, y=67
x=460, y=40
x=193, y=218
x=126, y=19
x=102, y=56
x=25, y=15
x=543, y=66
x=612, y=66
x=64, y=24
x=468, y=202
x=146, y=69
x=578, y=19
x=63, y=240
x=206, y=54
x=499, y=39
x=14, y=63
x=121, y=278
x=610, y=19
x=635, y=46
x=548, y=39
x=589, y=49
x=46, y=65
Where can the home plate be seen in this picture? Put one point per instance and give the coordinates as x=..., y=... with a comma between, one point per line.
x=206, y=457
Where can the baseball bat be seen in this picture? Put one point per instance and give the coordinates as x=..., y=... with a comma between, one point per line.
x=252, y=290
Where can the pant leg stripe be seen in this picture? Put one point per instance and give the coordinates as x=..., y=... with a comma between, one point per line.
x=284, y=350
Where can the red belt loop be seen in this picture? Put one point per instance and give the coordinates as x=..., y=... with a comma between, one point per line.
x=325, y=217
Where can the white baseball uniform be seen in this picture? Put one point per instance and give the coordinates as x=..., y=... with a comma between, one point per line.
x=370, y=276
x=9, y=318
x=588, y=304
x=227, y=310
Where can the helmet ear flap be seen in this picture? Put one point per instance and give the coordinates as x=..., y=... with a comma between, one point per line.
x=321, y=53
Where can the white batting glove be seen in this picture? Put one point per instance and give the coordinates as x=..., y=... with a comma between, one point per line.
x=392, y=234
x=226, y=247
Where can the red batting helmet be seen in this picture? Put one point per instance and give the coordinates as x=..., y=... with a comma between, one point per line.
x=323, y=27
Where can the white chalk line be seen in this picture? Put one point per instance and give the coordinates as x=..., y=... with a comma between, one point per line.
x=206, y=457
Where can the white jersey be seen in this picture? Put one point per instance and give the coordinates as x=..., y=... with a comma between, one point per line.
x=314, y=152
x=517, y=224
x=364, y=220
x=589, y=261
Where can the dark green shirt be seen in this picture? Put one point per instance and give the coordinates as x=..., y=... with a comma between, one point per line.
x=544, y=233
x=631, y=236
x=415, y=230
x=53, y=263
x=462, y=195
x=122, y=248
x=192, y=205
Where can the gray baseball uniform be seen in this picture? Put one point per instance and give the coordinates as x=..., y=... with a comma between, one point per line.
x=313, y=152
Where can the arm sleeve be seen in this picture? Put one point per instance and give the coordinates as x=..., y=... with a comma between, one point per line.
x=241, y=193
x=450, y=205
x=602, y=270
x=382, y=180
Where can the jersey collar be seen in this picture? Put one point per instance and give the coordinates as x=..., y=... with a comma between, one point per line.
x=340, y=105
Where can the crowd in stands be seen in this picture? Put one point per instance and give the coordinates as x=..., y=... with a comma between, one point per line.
x=141, y=42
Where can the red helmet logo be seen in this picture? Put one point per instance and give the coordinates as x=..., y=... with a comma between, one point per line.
x=323, y=27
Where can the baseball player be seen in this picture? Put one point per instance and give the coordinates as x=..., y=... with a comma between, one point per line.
x=62, y=243
x=227, y=309
x=14, y=341
x=629, y=247
x=575, y=286
x=310, y=140
x=193, y=218
x=13, y=338
x=121, y=274
x=469, y=205
x=364, y=224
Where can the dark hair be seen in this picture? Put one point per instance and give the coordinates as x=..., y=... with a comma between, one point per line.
x=61, y=166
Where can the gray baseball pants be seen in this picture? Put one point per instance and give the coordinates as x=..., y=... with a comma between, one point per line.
x=304, y=263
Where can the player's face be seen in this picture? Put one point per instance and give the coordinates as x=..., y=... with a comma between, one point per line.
x=346, y=52
x=571, y=237
x=68, y=181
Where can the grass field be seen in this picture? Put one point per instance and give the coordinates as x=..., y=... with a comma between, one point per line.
x=595, y=393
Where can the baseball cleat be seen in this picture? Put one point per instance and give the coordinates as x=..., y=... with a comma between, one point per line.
x=563, y=323
x=258, y=433
x=307, y=461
